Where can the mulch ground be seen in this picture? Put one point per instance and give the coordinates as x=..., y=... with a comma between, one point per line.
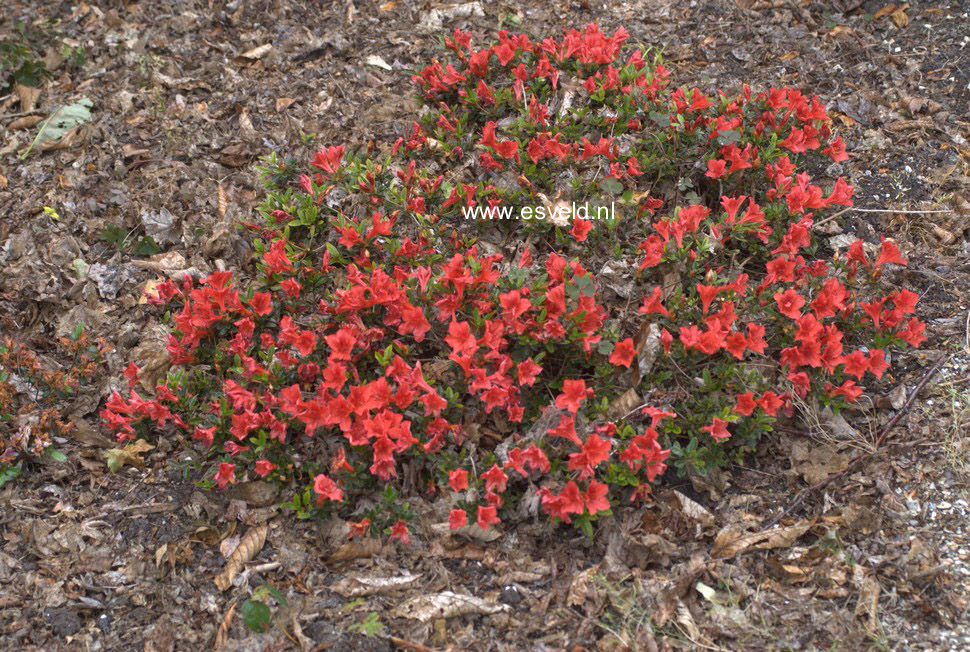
x=185, y=100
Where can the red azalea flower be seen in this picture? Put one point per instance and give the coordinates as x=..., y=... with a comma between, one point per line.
x=488, y=516
x=264, y=467
x=399, y=531
x=877, y=362
x=327, y=489
x=566, y=429
x=358, y=529
x=574, y=392
x=131, y=373
x=889, y=254
x=790, y=303
x=718, y=430
x=770, y=403
x=913, y=335
x=581, y=229
x=495, y=479
x=651, y=304
x=458, y=519
x=623, y=353
x=716, y=168
x=291, y=287
x=595, y=497
x=226, y=475
x=458, y=479
x=595, y=450
x=745, y=405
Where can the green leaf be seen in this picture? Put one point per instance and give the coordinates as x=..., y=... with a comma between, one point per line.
x=728, y=137
x=611, y=185
x=63, y=119
x=146, y=246
x=256, y=615
x=58, y=456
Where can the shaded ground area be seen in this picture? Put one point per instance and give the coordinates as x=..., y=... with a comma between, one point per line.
x=186, y=96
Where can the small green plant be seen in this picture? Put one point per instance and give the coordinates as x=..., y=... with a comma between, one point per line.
x=129, y=241
x=256, y=613
x=371, y=625
x=21, y=57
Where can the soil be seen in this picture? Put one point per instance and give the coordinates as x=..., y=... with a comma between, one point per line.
x=185, y=100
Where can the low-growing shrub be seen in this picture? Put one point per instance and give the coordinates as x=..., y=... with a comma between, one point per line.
x=34, y=397
x=392, y=345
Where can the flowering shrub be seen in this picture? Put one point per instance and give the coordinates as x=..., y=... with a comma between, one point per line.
x=32, y=398
x=387, y=346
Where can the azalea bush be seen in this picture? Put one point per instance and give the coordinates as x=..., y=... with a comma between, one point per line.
x=34, y=398
x=395, y=342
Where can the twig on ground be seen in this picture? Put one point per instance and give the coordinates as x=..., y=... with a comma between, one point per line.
x=409, y=645
x=858, y=459
x=879, y=210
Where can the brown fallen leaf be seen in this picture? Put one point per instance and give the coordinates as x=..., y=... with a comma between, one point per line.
x=248, y=548
x=446, y=604
x=354, y=587
x=356, y=549
x=868, y=606
x=732, y=540
x=283, y=103
x=899, y=17
x=28, y=97
x=885, y=11
x=26, y=122
x=582, y=587
x=222, y=634
x=130, y=455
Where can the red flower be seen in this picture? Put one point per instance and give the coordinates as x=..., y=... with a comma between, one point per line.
x=707, y=293
x=131, y=373
x=327, y=489
x=770, y=403
x=745, y=405
x=856, y=364
x=488, y=516
x=495, y=479
x=328, y=160
x=264, y=467
x=291, y=287
x=507, y=149
x=226, y=475
x=913, y=335
x=889, y=254
x=905, y=301
x=716, y=168
x=399, y=531
x=736, y=344
x=790, y=303
x=204, y=435
x=623, y=353
x=358, y=529
x=458, y=519
x=651, y=304
x=848, y=389
x=276, y=259
x=458, y=479
x=566, y=429
x=595, y=497
x=718, y=430
x=877, y=362
x=595, y=450
x=528, y=372
x=574, y=392
x=581, y=229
